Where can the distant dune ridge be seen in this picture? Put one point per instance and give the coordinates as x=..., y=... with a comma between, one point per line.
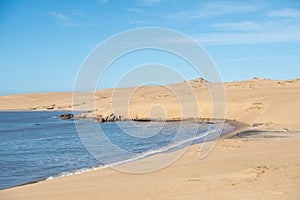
x=256, y=101
x=260, y=159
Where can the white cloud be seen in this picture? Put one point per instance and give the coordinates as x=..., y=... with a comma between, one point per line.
x=239, y=26
x=148, y=2
x=59, y=16
x=138, y=22
x=216, y=8
x=252, y=32
x=252, y=58
x=78, y=12
x=137, y=10
x=285, y=13
x=228, y=6
x=249, y=38
x=63, y=19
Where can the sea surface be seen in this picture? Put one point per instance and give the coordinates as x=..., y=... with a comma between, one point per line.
x=37, y=145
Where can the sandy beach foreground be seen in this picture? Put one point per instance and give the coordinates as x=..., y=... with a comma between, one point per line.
x=258, y=161
x=251, y=168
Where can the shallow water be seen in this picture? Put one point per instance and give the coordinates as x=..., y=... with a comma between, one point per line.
x=36, y=145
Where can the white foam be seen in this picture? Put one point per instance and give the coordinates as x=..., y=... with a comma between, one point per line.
x=78, y=171
x=134, y=158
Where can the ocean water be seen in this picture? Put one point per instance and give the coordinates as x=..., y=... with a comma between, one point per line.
x=38, y=145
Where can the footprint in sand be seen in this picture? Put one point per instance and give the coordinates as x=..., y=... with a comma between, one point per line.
x=251, y=174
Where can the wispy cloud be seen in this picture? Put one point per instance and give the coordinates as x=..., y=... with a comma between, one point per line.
x=136, y=10
x=233, y=38
x=285, y=13
x=259, y=31
x=228, y=7
x=238, y=26
x=58, y=16
x=65, y=20
x=138, y=22
x=148, y=2
x=216, y=8
x=78, y=12
x=252, y=58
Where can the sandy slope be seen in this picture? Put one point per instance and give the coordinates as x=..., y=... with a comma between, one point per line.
x=254, y=101
x=255, y=165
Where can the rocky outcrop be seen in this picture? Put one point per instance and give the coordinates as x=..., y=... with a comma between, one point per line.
x=50, y=107
x=108, y=118
x=66, y=116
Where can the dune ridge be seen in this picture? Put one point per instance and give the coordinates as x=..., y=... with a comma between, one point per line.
x=257, y=101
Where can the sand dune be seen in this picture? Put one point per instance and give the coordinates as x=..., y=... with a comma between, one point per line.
x=255, y=101
x=258, y=161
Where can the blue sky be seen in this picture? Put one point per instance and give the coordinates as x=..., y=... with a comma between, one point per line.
x=43, y=43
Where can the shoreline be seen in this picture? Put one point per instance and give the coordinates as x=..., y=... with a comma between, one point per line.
x=132, y=160
x=249, y=171
x=240, y=127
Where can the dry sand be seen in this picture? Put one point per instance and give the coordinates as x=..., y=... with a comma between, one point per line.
x=257, y=101
x=258, y=161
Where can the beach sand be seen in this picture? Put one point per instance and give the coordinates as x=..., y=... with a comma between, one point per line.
x=258, y=101
x=259, y=160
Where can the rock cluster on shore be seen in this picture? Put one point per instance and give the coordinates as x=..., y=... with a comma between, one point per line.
x=108, y=118
x=66, y=116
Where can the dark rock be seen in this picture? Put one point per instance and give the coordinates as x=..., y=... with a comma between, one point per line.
x=66, y=116
x=142, y=119
x=108, y=118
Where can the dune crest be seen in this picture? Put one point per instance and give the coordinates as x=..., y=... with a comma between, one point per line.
x=256, y=101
